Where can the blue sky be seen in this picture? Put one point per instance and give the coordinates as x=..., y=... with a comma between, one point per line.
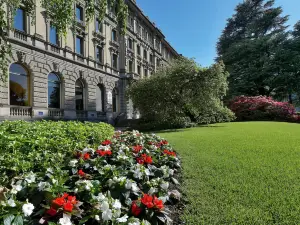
x=194, y=26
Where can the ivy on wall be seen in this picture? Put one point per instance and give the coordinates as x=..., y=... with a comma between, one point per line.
x=61, y=14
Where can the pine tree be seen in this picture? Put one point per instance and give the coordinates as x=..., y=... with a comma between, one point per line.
x=251, y=44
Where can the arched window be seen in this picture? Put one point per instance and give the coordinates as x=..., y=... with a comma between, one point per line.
x=54, y=91
x=80, y=94
x=19, y=85
x=115, y=100
x=100, y=94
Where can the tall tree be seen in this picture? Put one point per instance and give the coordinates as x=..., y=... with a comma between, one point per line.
x=251, y=47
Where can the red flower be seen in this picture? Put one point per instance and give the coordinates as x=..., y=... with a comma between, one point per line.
x=72, y=199
x=78, y=154
x=106, y=142
x=86, y=156
x=103, y=153
x=169, y=153
x=158, y=203
x=51, y=212
x=65, y=195
x=140, y=161
x=68, y=207
x=81, y=173
x=135, y=209
x=164, y=142
x=147, y=200
x=137, y=148
x=147, y=159
x=58, y=202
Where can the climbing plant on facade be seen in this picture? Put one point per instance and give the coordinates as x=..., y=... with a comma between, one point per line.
x=61, y=14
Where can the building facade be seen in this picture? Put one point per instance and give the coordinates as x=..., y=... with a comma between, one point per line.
x=83, y=76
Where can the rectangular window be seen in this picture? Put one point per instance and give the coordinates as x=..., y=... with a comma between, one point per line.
x=151, y=58
x=19, y=20
x=79, y=45
x=130, y=43
x=99, y=27
x=79, y=13
x=145, y=73
x=115, y=61
x=145, y=54
x=99, y=51
x=114, y=35
x=139, y=69
x=138, y=49
x=130, y=65
x=53, y=36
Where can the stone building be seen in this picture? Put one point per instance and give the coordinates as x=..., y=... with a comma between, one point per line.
x=83, y=76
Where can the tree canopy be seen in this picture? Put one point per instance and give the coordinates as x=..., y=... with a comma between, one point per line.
x=255, y=49
x=181, y=93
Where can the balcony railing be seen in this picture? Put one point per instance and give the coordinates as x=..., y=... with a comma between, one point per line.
x=20, y=35
x=101, y=115
x=20, y=111
x=81, y=114
x=56, y=113
x=55, y=49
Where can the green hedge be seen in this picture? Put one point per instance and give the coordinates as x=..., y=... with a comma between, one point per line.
x=32, y=146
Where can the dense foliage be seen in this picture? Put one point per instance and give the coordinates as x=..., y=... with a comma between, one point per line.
x=260, y=54
x=29, y=146
x=61, y=14
x=262, y=108
x=182, y=93
x=125, y=180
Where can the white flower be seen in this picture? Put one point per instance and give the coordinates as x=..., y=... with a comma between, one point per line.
x=171, y=172
x=105, y=206
x=97, y=218
x=107, y=215
x=99, y=198
x=66, y=220
x=134, y=223
x=54, y=181
x=128, y=184
x=43, y=185
x=147, y=172
x=165, y=186
x=87, y=165
x=11, y=203
x=30, y=178
x=73, y=162
x=27, y=209
x=138, y=173
x=16, y=188
x=117, y=204
x=117, y=213
x=134, y=187
x=88, y=185
x=122, y=219
x=152, y=191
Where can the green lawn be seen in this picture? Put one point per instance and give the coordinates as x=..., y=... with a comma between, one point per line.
x=240, y=173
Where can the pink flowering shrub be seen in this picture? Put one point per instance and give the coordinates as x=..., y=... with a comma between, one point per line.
x=262, y=108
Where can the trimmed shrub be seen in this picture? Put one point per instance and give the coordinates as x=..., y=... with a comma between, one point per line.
x=262, y=108
x=28, y=146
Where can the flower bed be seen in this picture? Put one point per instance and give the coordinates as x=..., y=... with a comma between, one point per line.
x=262, y=108
x=126, y=180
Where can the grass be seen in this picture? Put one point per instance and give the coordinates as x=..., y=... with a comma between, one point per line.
x=240, y=173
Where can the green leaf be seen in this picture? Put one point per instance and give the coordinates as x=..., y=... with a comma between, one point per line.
x=18, y=220
x=8, y=219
